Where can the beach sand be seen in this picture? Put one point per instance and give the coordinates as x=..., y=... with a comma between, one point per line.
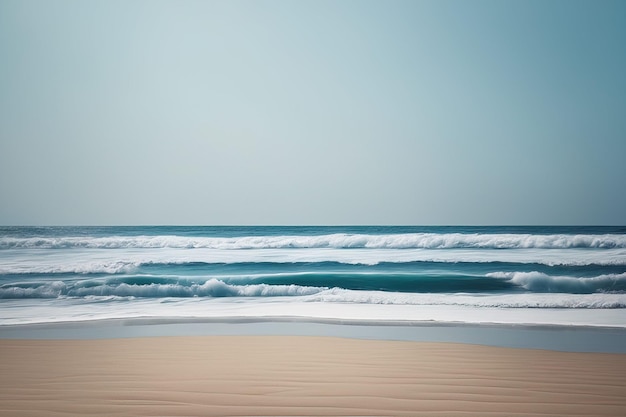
x=298, y=375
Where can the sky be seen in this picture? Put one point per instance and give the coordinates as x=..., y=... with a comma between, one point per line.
x=312, y=112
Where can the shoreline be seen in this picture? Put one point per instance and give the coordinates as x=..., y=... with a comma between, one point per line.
x=526, y=336
x=302, y=375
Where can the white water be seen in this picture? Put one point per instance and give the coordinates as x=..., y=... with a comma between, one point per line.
x=124, y=260
x=49, y=311
x=336, y=240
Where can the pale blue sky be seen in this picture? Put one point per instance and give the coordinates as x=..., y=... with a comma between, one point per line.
x=313, y=112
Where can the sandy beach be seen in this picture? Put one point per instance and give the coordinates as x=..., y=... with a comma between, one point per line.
x=295, y=375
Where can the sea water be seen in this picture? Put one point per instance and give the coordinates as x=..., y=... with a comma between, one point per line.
x=408, y=274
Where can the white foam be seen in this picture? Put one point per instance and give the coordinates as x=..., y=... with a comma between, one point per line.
x=337, y=241
x=296, y=293
x=540, y=282
x=523, y=300
x=27, y=261
x=211, y=288
x=45, y=290
x=47, y=311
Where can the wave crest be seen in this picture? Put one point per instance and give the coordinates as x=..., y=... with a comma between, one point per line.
x=211, y=288
x=540, y=282
x=336, y=241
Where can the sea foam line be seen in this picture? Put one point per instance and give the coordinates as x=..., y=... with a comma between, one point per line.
x=523, y=301
x=267, y=309
x=337, y=241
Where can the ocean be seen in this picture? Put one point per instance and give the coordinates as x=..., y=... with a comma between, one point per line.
x=563, y=276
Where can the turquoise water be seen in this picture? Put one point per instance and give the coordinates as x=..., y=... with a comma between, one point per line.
x=82, y=273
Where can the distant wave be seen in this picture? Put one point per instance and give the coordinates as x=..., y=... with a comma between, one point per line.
x=337, y=241
x=84, y=264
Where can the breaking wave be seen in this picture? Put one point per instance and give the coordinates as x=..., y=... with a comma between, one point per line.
x=210, y=288
x=540, y=282
x=105, y=262
x=217, y=289
x=337, y=241
x=394, y=285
